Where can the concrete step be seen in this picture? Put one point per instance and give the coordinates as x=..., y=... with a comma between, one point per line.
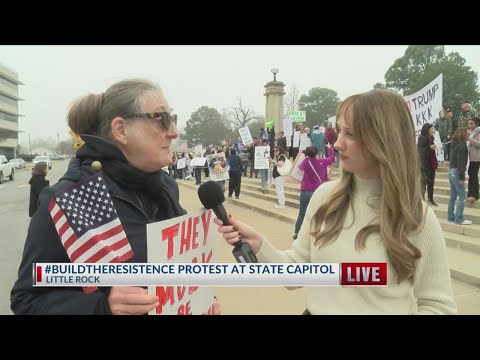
x=441, y=190
x=250, y=194
x=253, y=188
x=444, y=198
x=467, y=230
x=271, y=196
x=289, y=194
x=463, y=242
x=464, y=266
x=292, y=190
x=442, y=184
x=266, y=207
x=472, y=214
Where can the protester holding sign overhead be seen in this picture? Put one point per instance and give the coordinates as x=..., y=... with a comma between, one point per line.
x=128, y=131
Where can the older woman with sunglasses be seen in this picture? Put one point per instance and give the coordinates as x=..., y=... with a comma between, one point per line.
x=127, y=131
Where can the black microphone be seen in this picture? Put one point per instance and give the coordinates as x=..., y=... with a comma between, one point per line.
x=211, y=196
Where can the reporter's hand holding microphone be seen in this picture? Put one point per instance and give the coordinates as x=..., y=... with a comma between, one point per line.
x=238, y=231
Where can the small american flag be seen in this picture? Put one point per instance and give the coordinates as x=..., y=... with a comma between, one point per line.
x=88, y=224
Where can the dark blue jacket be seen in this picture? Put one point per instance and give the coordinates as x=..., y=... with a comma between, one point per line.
x=235, y=163
x=44, y=245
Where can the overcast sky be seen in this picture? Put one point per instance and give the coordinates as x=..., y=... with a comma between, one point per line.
x=190, y=76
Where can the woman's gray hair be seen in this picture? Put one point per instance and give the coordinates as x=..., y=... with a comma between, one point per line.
x=93, y=113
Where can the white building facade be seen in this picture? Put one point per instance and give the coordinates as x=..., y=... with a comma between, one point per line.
x=9, y=111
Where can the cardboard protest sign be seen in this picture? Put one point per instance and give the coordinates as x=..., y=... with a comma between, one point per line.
x=295, y=173
x=198, y=149
x=198, y=161
x=217, y=167
x=181, y=163
x=245, y=135
x=425, y=104
x=296, y=139
x=189, y=238
x=439, y=151
x=304, y=142
x=288, y=130
x=262, y=154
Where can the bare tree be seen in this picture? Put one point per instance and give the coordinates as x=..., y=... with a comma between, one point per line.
x=239, y=116
x=290, y=102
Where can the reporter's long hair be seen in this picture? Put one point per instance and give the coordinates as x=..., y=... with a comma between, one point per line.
x=383, y=125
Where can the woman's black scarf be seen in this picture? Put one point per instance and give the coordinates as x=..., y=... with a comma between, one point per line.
x=127, y=176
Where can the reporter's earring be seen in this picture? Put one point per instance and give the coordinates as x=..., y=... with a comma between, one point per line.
x=125, y=142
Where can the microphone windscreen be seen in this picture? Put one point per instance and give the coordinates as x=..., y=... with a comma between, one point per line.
x=210, y=194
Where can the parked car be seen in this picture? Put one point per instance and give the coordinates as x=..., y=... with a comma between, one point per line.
x=44, y=159
x=18, y=162
x=6, y=169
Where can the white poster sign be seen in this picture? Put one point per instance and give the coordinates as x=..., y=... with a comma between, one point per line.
x=425, y=104
x=287, y=127
x=288, y=131
x=181, y=163
x=189, y=238
x=245, y=135
x=198, y=161
x=304, y=142
x=217, y=167
x=289, y=141
x=296, y=139
x=439, y=146
x=198, y=150
x=262, y=154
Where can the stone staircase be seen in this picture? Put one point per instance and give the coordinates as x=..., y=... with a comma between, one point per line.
x=463, y=241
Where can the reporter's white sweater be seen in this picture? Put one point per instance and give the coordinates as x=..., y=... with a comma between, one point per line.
x=431, y=284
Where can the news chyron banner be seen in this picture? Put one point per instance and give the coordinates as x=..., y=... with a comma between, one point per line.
x=190, y=238
x=199, y=274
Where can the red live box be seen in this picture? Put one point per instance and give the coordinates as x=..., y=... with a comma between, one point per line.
x=362, y=274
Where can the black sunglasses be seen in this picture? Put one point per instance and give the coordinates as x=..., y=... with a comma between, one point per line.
x=164, y=118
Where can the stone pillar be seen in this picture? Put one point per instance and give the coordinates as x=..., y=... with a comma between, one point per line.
x=274, y=91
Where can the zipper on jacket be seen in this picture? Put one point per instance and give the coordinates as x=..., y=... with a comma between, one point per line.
x=135, y=205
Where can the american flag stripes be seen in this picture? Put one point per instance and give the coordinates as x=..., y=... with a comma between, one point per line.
x=88, y=224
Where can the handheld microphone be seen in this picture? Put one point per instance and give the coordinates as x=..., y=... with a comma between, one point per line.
x=211, y=196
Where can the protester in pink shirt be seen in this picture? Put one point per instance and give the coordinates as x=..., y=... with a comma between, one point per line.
x=314, y=174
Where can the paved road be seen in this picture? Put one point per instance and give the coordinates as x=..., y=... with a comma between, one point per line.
x=14, y=220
